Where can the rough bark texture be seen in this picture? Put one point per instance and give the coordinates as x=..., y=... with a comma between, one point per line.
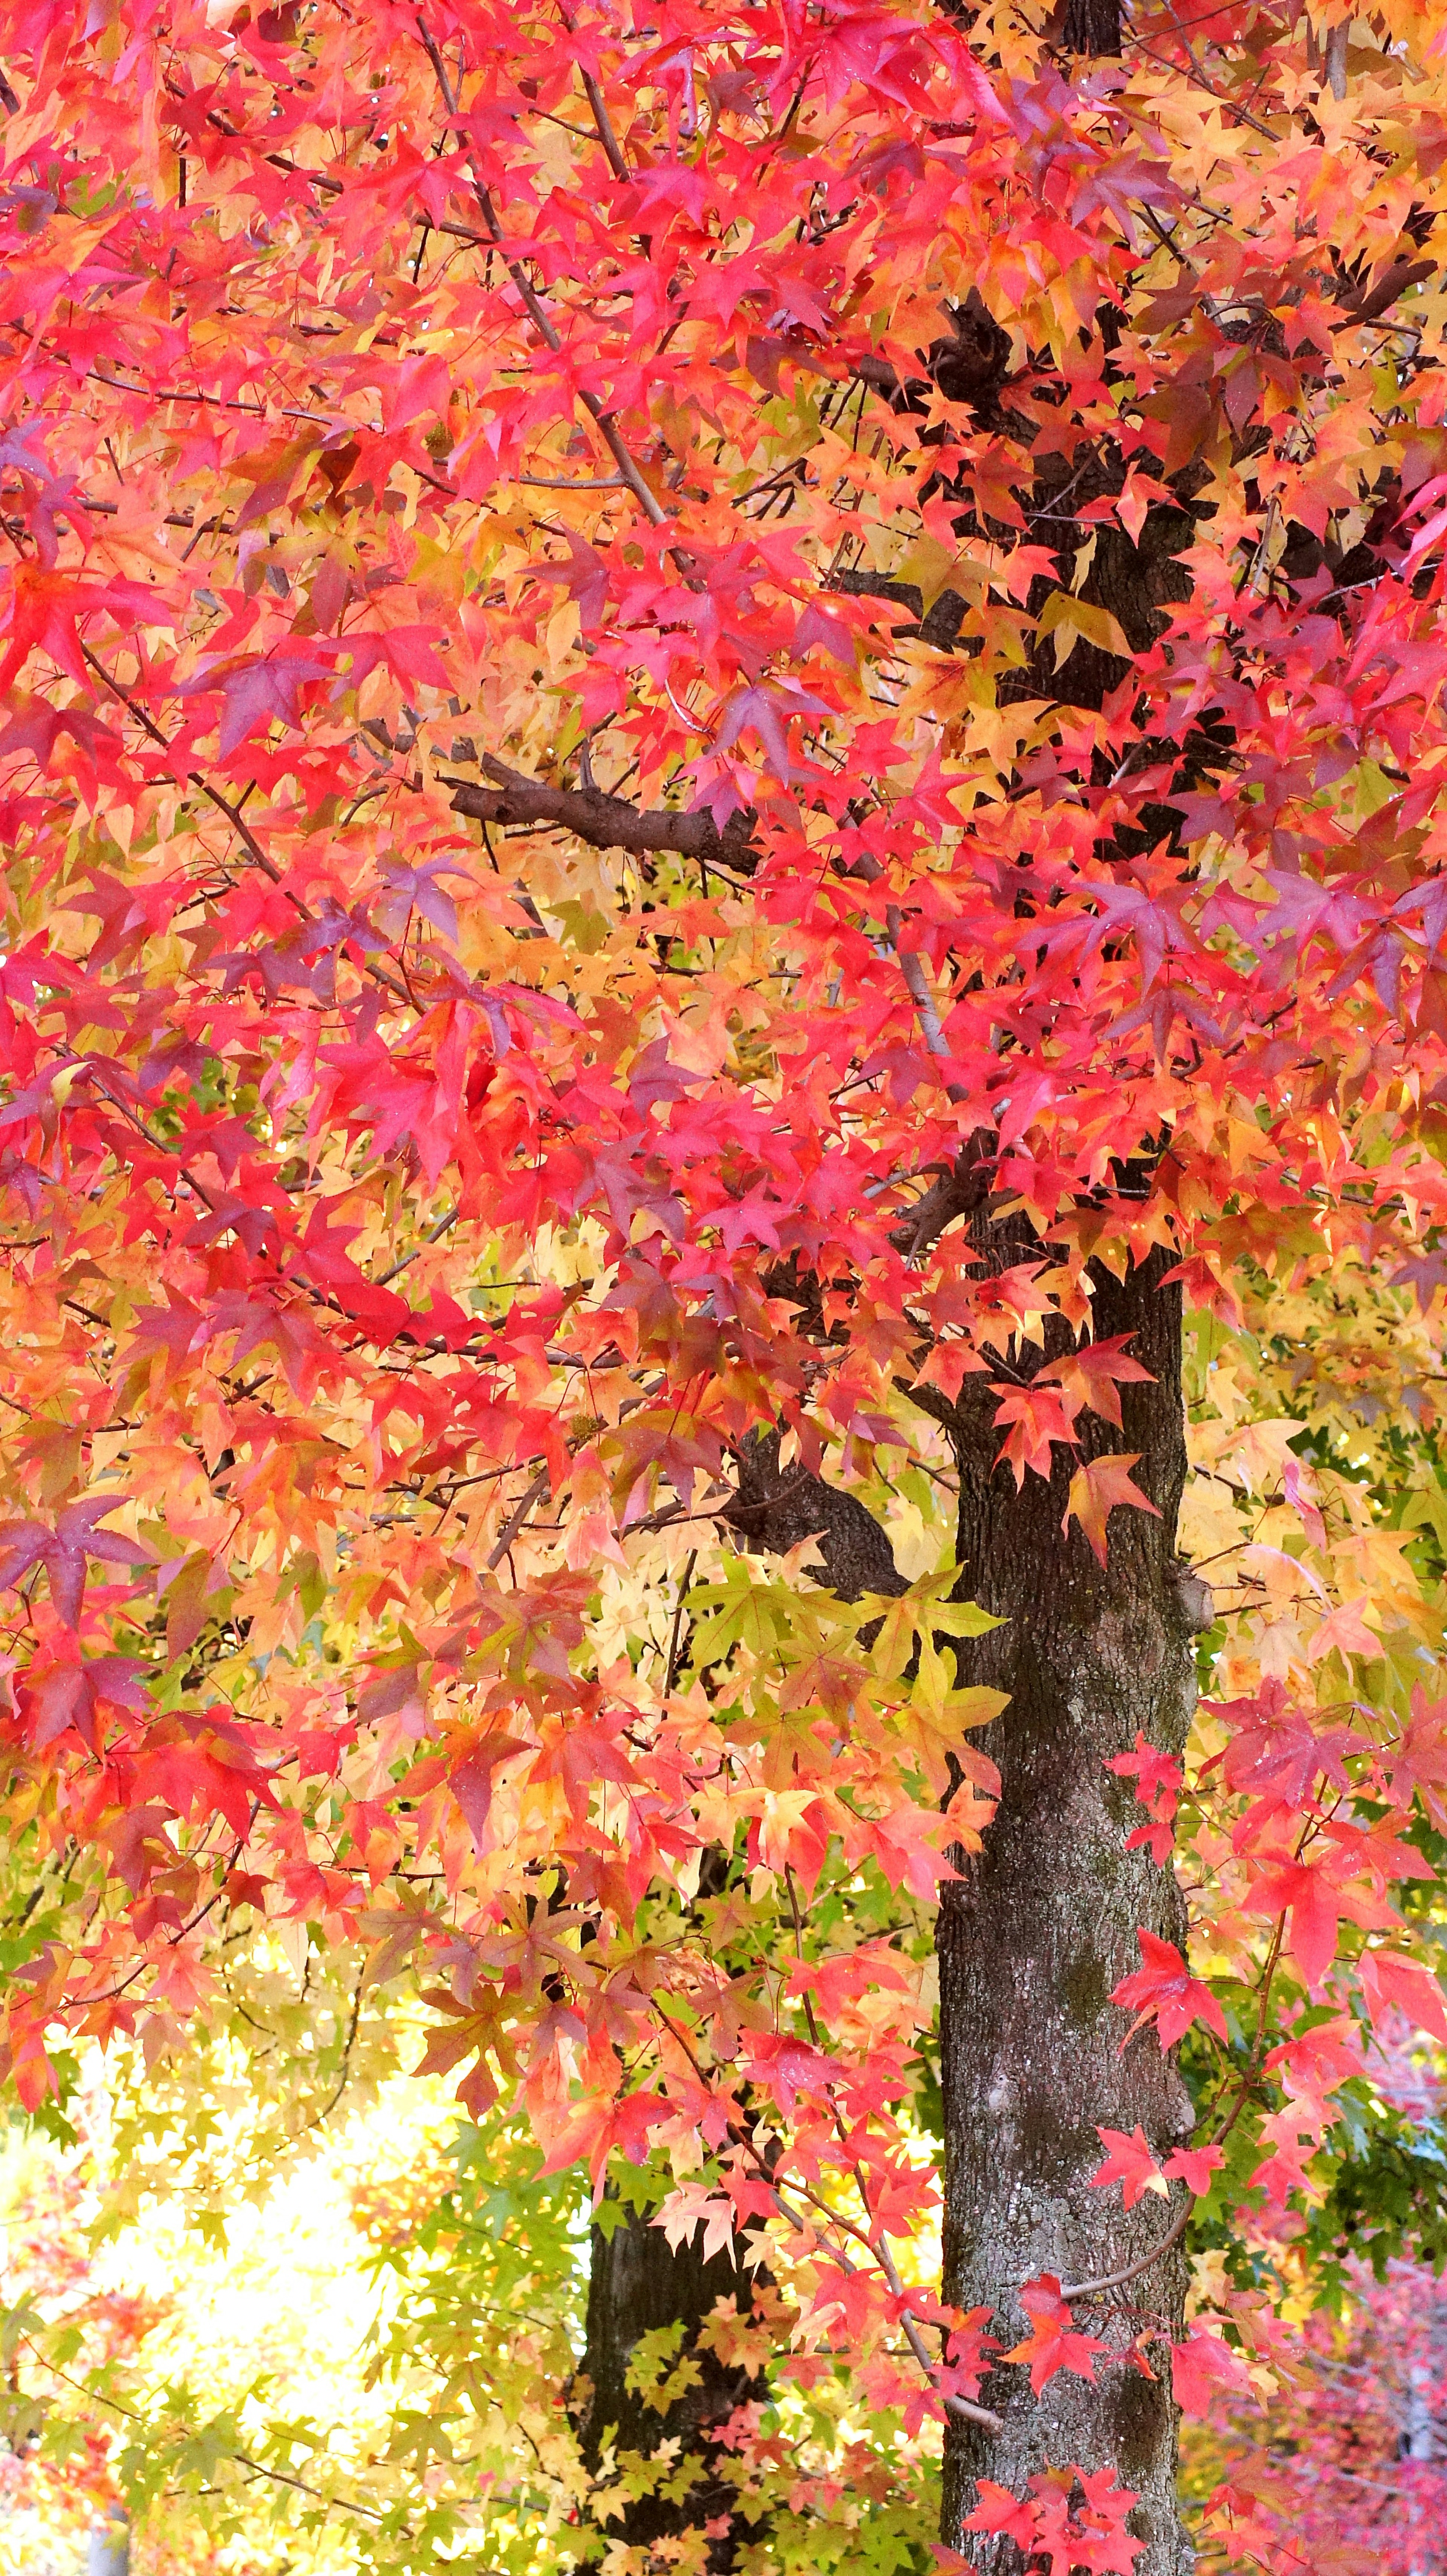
x=1091, y=27
x=1042, y=1926
x=607, y=822
x=777, y=1506
x=638, y=2284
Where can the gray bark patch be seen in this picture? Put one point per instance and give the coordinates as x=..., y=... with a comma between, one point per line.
x=1042, y=1926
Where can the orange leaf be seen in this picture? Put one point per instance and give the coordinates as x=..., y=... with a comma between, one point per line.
x=1095, y=1489
x=1052, y=2343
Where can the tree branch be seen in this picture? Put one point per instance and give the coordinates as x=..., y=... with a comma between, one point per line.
x=775, y=1507
x=957, y=1192
x=1379, y=299
x=596, y=409
x=605, y=822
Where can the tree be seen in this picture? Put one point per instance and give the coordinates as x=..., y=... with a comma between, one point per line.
x=723, y=747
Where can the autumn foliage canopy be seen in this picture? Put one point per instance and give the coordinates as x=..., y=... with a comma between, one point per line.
x=657, y=658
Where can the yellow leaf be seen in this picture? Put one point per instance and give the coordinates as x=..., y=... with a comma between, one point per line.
x=930, y=565
x=1068, y=619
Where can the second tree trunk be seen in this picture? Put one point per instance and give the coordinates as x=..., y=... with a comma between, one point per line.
x=638, y=2285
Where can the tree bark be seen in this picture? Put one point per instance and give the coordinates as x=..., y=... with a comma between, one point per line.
x=1091, y=27
x=637, y=2284
x=1042, y=1925
x=775, y=1507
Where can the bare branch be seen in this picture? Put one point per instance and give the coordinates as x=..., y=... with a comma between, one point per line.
x=1394, y=282
x=605, y=822
x=1132, y=2271
x=957, y=1192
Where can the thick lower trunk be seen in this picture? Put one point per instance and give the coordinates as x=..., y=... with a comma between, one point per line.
x=1042, y=1926
x=638, y=2285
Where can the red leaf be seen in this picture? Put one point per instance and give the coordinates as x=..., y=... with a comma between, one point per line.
x=1316, y=1907
x=1037, y=1419
x=32, y=2073
x=1164, y=1991
x=998, y=2511
x=1129, y=2161
x=471, y=1782
x=1393, y=1983
x=1052, y=2343
x=1194, y=2167
x=1092, y=1374
x=1203, y=2369
x=260, y=691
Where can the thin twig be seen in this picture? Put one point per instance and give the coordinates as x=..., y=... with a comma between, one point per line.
x=329, y=2106
x=597, y=410
x=515, y=1519
x=961, y=2406
x=407, y=1258
x=283, y=2477
x=1132, y=2271
x=674, y=1640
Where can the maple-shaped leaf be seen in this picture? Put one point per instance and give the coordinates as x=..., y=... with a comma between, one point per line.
x=1158, y=1780
x=408, y=651
x=1096, y=1487
x=262, y=690
x=1068, y=619
x=1010, y=2517
x=138, y=1844
x=471, y=1781
x=1164, y=1991
x=37, y=727
x=30, y=2068
x=22, y=1544
x=1074, y=2522
x=392, y=1936
x=1035, y=1418
x=1129, y=2160
x=1194, y=2166
x=767, y=711
x=1204, y=2370
x=585, y=578
x=1052, y=2343
x=1096, y=2537
x=733, y=1613
x=968, y=2350
x=1093, y=1374
x=1316, y=1902
x=1418, y=1762
x=1277, y=1752
x=629, y=2122
x=924, y=1610
x=691, y=2205
x=1393, y=1983
x=64, y=1549
x=67, y=1692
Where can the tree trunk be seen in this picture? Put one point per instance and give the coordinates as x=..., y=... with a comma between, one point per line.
x=108, y=2546
x=637, y=2282
x=637, y=2285
x=1091, y=27
x=1042, y=1926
